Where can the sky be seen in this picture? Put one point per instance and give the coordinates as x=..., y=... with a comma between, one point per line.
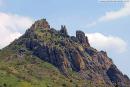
x=105, y=23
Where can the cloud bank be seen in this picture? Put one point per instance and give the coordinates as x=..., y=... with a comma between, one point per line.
x=113, y=15
x=107, y=43
x=12, y=26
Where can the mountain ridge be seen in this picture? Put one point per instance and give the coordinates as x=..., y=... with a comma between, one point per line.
x=69, y=54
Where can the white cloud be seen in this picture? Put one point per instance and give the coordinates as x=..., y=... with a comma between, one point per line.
x=113, y=15
x=11, y=27
x=107, y=43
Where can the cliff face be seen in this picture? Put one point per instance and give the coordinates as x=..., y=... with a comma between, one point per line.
x=70, y=53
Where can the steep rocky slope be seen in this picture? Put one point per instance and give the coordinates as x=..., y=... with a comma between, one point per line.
x=45, y=57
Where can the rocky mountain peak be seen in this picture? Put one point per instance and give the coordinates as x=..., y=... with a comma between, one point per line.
x=40, y=24
x=69, y=54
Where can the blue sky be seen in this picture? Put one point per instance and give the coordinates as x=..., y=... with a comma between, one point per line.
x=108, y=22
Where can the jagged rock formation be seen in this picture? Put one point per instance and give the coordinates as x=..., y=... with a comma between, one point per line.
x=63, y=31
x=70, y=53
x=82, y=38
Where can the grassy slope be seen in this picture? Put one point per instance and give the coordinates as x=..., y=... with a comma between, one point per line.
x=30, y=71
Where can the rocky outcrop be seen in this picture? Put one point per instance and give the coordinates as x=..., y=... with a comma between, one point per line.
x=40, y=24
x=77, y=61
x=71, y=53
x=82, y=38
x=103, y=60
x=117, y=77
x=63, y=31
